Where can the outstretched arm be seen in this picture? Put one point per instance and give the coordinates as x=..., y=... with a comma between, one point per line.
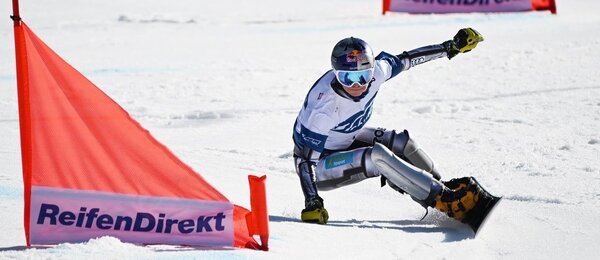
x=464, y=41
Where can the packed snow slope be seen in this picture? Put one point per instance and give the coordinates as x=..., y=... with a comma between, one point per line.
x=220, y=83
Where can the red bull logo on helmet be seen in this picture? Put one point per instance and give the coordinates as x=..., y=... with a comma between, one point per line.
x=355, y=56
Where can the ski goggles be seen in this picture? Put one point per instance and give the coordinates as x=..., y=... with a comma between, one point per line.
x=348, y=78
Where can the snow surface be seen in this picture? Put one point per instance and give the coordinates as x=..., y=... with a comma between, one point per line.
x=220, y=83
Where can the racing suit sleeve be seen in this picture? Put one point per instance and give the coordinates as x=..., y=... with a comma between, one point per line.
x=423, y=54
x=409, y=59
x=310, y=136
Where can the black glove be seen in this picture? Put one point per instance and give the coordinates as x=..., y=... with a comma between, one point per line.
x=464, y=41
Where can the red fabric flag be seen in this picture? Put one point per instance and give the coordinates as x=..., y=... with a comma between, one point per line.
x=89, y=169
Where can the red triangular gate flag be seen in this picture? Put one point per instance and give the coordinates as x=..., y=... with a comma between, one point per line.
x=90, y=170
x=544, y=5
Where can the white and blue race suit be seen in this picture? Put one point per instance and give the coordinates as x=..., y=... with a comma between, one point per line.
x=330, y=118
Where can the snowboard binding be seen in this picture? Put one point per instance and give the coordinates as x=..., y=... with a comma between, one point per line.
x=464, y=199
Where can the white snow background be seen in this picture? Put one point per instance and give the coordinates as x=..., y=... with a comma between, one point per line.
x=220, y=83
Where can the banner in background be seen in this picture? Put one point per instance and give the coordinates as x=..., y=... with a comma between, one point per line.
x=467, y=6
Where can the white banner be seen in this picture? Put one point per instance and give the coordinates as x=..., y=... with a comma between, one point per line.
x=66, y=215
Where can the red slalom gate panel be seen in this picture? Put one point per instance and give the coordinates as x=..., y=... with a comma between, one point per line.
x=91, y=170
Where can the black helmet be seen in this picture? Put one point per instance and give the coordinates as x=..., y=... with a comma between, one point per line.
x=352, y=54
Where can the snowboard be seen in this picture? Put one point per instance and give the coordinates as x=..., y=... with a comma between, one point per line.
x=479, y=214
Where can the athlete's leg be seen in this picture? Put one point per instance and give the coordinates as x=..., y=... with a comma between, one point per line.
x=344, y=168
x=401, y=144
x=463, y=199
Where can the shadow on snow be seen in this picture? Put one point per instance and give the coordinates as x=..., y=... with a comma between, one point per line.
x=454, y=232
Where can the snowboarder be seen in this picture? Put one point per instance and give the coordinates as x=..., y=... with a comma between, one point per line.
x=334, y=149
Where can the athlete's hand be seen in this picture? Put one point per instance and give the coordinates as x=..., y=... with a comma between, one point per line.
x=464, y=41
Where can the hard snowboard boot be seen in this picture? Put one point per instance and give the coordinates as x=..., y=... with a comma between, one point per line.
x=465, y=200
x=314, y=211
